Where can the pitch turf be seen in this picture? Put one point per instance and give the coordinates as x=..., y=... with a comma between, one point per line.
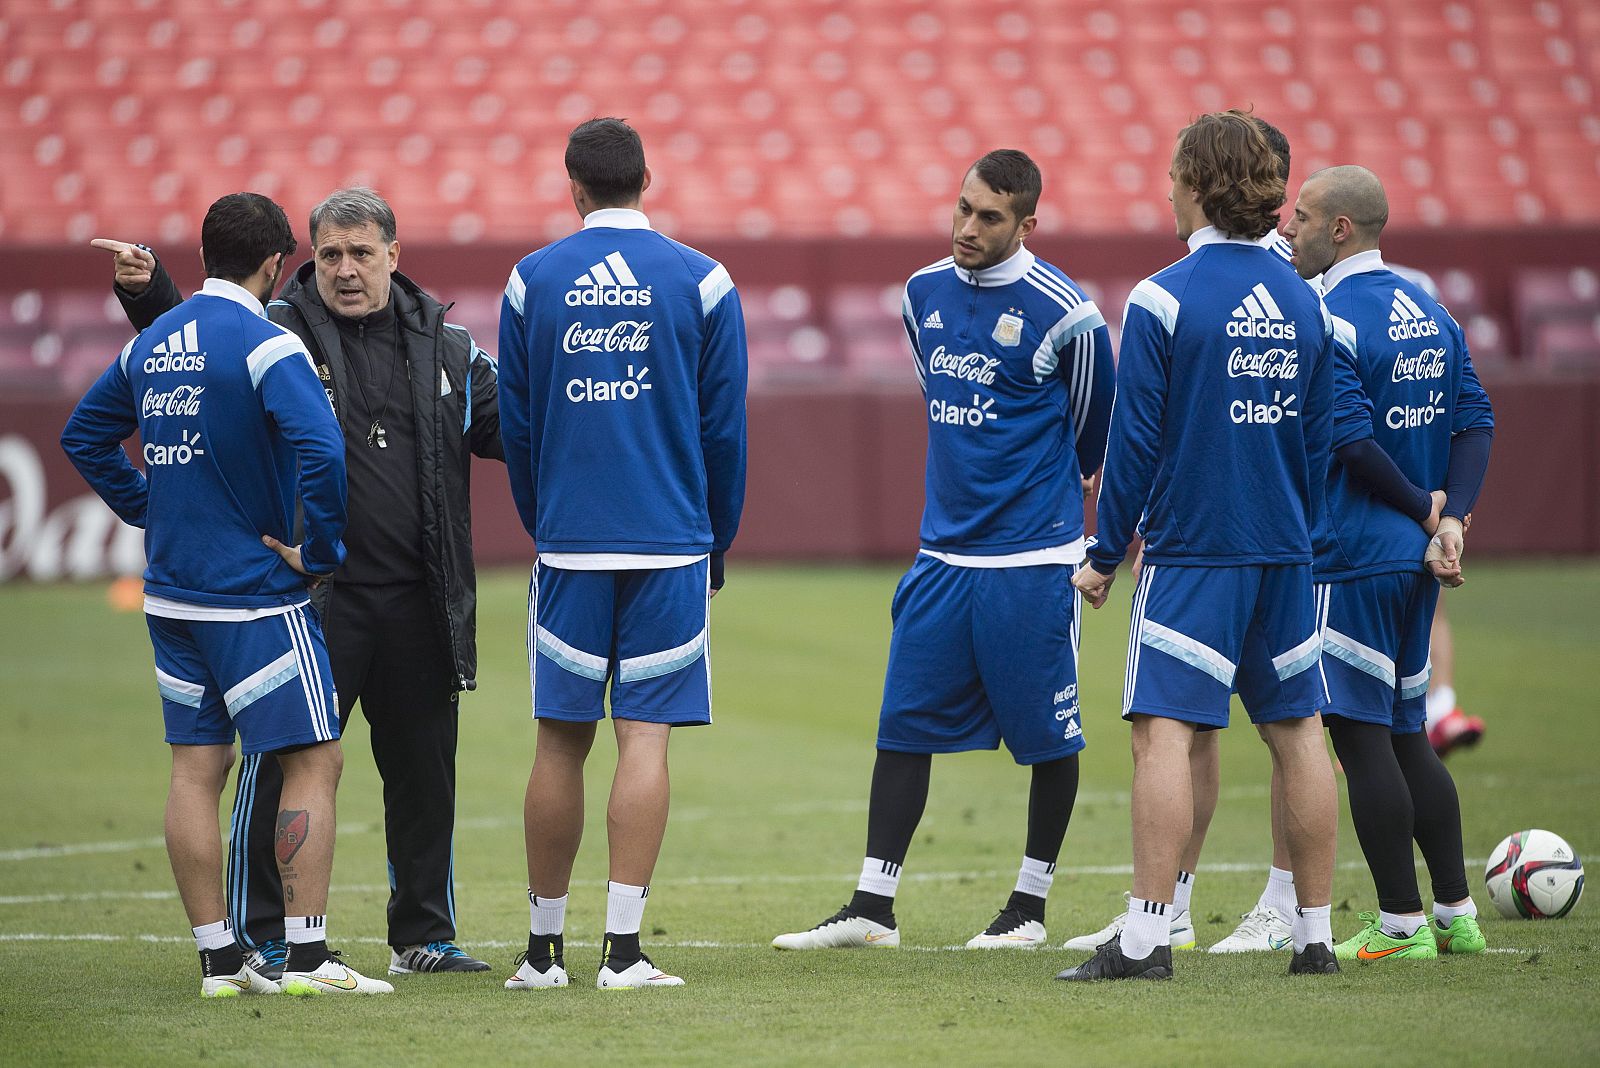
x=96, y=964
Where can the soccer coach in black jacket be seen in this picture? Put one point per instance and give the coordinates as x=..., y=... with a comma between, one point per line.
x=416, y=399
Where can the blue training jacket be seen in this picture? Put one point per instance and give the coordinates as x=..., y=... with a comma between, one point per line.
x=1404, y=378
x=1220, y=436
x=1015, y=366
x=622, y=393
x=228, y=406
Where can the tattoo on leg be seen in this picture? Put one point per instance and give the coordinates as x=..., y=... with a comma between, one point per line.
x=294, y=827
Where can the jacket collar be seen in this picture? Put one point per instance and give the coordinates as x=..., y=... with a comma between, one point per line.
x=1210, y=235
x=1004, y=273
x=617, y=219
x=221, y=287
x=1361, y=263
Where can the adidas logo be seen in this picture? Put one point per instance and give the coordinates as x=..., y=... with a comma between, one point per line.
x=933, y=322
x=1409, y=320
x=609, y=283
x=180, y=352
x=1258, y=315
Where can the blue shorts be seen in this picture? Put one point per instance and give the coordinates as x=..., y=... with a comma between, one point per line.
x=644, y=630
x=981, y=655
x=1199, y=634
x=1375, y=644
x=266, y=678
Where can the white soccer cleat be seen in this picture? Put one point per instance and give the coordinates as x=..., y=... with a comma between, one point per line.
x=1181, y=933
x=244, y=981
x=1009, y=931
x=636, y=976
x=1262, y=929
x=332, y=977
x=528, y=977
x=843, y=930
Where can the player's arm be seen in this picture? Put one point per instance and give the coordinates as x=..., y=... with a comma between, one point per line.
x=293, y=397
x=1132, y=446
x=483, y=406
x=908, y=319
x=1354, y=446
x=93, y=437
x=142, y=285
x=724, y=369
x=1472, y=433
x=514, y=406
x=1091, y=377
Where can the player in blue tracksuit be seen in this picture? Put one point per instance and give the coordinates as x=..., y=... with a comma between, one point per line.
x=1220, y=443
x=1016, y=373
x=622, y=381
x=235, y=427
x=1410, y=416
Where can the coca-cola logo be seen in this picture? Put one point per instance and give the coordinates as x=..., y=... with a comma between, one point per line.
x=629, y=335
x=185, y=400
x=973, y=367
x=1429, y=363
x=1273, y=363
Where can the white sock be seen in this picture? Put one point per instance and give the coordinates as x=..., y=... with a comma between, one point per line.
x=624, y=907
x=547, y=915
x=880, y=877
x=1313, y=925
x=1181, y=892
x=1396, y=925
x=1034, y=877
x=1279, y=894
x=1441, y=702
x=1445, y=915
x=299, y=929
x=210, y=936
x=1149, y=925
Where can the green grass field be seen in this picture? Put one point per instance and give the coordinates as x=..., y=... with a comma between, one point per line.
x=97, y=967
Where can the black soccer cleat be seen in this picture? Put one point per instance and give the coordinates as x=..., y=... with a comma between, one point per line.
x=1109, y=962
x=441, y=956
x=1316, y=959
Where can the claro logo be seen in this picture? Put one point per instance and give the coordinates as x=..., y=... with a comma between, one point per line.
x=584, y=390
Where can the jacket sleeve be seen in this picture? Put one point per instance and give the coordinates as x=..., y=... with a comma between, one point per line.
x=908, y=319
x=724, y=369
x=514, y=409
x=292, y=394
x=1134, y=440
x=1317, y=419
x=158, y=298
x=1091, y=376
x=1472, y=433
x=93, y=437
x=483, y=406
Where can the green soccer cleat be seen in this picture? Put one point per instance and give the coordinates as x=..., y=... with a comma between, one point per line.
x=1462, y=936
x=1372, y=944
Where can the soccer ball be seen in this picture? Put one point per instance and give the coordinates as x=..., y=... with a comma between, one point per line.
x=1534, y=875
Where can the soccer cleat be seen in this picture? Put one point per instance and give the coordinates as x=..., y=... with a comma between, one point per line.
x=1455, y=730
x=843, y=930
x=636, y=976
x=1010, y=930
x=332, y=977
x=1371, y=943
x=245, y=981
x=1109, y=962
x=1263, y=928
x=1462, y=936
x=1315, y=959
x=1182, y=934
x=268, y=958
x=433, y=957
x=528, y=977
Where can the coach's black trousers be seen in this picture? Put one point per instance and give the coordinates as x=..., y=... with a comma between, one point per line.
x=387, y=654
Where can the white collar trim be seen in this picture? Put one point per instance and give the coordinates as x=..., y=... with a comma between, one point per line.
x=221, y=287
x=1007, y=271
x=1210, y=235
x=1361, y=263
x=617, y=219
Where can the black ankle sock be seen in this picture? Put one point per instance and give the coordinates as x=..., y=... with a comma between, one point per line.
x=306, y=956
x=1027, y=905
x=225, y=961
x=545, y=950
x=621, y=950
x=875, y=907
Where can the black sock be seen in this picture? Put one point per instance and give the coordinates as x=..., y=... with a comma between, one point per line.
x=875, y=907
x=621, y=950
x=225, y=961
x=1028, y=906
x=306, y=956
x=1050, y=798
x=1380, y=807
x=1437, y=827
x=545, y=950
